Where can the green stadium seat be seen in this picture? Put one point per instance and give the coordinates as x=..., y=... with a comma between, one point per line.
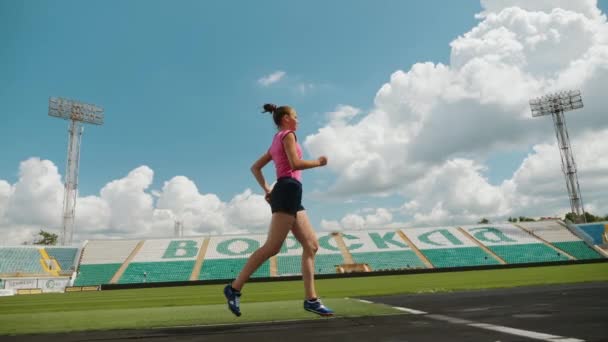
x=95, y=274
x=157, y=272
x=527, y=253
x=389, y=260
x=578, y=249
x=213, y=269
x=23, y=260
x=459, y=257
x=64, y=256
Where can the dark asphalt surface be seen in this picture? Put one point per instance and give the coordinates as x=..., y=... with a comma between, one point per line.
x=572, y=312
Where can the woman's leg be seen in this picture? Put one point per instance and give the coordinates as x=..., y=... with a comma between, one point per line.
x=280, y=225
x=304, y=233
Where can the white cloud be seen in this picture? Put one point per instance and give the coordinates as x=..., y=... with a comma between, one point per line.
x=200, y=213
x=329, y=225
x=272, y=78
x=585, y=7
x=248, y=211
x=130, y=205
x=5, y=194
x=37, y=197
x=379, y=218
x=540, y=182
x=431, y=128
x=458, y=193
x=125, y=207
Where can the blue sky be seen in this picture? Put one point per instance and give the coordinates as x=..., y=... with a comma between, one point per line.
x=179, y=82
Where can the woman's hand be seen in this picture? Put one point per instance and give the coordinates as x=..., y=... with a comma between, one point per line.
x=267, y=197
x=322, y=160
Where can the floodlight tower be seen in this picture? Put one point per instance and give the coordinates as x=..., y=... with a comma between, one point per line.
x=77, y=113
x=178, y=229
x=556, y=104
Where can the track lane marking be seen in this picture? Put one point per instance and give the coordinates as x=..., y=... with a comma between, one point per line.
x=498, y=328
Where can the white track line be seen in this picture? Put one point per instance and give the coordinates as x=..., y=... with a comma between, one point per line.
x=506, y=330
x=365, y=301
x=412, y=311
x=525, y=333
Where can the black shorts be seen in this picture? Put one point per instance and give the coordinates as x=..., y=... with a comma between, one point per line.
x=286, y=196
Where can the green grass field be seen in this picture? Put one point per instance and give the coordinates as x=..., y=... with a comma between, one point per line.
x=273, y=301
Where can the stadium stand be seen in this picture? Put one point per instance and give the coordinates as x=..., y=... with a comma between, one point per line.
x=101, y=259
x=513, y=244
x=328, y=258
x=381, y=250
x=226, y=255
x=596, y=232
x=222, y=257
x=162, y=260
x=65, y=257
x=559, y=236
x=449, y=247
x=20, y=260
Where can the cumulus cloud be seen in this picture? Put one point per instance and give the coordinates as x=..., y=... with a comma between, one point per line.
x=540, y=182
x=5, y=194
x=37, y=197
x=585, y=7
x=458, y=193
x=125, y=207
x=380, y=218
x=432, y=127
x=272, y=78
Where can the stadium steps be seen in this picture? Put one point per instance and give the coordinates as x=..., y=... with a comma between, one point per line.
x=64, y=256
x=196, y=270
x=348, y=258
x=49, y=265
x=483, y=247
x=80, y=256
x=416, y=250
x=274, y=268
x=121, y=270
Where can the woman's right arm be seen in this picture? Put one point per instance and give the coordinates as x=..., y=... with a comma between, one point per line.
x=256, y=169
x=289, y=143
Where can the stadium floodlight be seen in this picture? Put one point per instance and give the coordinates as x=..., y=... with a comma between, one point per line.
x=77, y=113
x=555, y=105
x=178, y=229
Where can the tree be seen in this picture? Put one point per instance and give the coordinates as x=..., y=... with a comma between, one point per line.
x=521, y=219
x=526, y=219
x=483, y=221
x=589, y=218
x=46, y=238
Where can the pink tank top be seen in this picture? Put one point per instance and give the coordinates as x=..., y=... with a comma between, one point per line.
x=279, y=157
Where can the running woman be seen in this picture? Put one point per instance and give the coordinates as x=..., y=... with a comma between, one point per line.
x=288, y=214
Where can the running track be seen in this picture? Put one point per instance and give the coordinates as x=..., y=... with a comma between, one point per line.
x=564, y=313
